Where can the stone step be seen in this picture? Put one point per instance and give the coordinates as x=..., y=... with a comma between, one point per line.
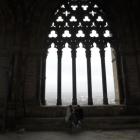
x=59, y=124
x=126, y=119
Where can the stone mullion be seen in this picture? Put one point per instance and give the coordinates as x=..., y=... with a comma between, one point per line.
x=119, y=77
x=88, y=55
x=44, y=56
x=74, y=100
x=102, y=54
x=124, y=76
x=59, y=100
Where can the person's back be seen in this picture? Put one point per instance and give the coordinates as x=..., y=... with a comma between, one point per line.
x=79, y=114
x=79, y=111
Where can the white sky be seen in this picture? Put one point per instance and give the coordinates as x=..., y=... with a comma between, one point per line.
x=81, y=68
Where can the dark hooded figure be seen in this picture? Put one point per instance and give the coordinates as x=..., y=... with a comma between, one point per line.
x=79, y=114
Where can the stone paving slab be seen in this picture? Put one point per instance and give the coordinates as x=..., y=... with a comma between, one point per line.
x=83, y=135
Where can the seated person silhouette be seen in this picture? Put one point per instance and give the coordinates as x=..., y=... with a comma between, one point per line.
x=70, y=115
x=79, y=115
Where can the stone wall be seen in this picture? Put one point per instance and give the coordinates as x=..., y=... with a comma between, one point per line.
x=23, y=27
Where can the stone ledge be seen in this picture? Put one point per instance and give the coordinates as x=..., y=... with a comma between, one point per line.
x=89, y=111
x=59, y=124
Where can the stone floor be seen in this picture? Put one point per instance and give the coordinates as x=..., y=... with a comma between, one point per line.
x=83, y=135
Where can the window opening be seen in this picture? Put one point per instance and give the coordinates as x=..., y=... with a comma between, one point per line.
x=66, y=76
x=97, y=91
x=93, y=33
x=81, y=76
x=51, y=76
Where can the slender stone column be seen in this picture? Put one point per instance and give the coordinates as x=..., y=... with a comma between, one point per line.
x=44, y=56
x=102, y=54
x=125, y=84
x=74, y=100
x=59, y=100
x=88, y=55
x=119, y=75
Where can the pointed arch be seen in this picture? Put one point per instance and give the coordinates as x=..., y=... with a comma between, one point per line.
x=80, y=21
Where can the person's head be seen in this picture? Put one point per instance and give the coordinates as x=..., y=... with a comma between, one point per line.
x=78, y=106
x=70, y=106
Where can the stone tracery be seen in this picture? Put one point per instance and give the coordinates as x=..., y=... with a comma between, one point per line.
x=80, y=22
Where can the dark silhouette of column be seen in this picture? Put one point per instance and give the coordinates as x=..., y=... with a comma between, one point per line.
x=88, y=55
x=102, y=54
x=59, y=100
x=44, y=56
x=124, y=75
x=74, y=100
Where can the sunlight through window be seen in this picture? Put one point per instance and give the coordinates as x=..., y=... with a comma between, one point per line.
x=96, y=76
x=66, y=76
x=81, y=76
x=51, y=76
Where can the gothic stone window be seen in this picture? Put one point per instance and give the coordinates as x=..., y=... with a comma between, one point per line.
x=75, y=22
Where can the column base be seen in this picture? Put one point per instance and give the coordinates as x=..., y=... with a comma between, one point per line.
x=59, y=101
x=105, y=101
x=90, y=102
x=74, y=101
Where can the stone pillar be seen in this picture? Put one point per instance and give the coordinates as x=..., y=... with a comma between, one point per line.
x=74, y=100
x=124, y=76
x=119, y=76
x=88, y=55
x=59, y=100
x=44, y=56
x=102, y=54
